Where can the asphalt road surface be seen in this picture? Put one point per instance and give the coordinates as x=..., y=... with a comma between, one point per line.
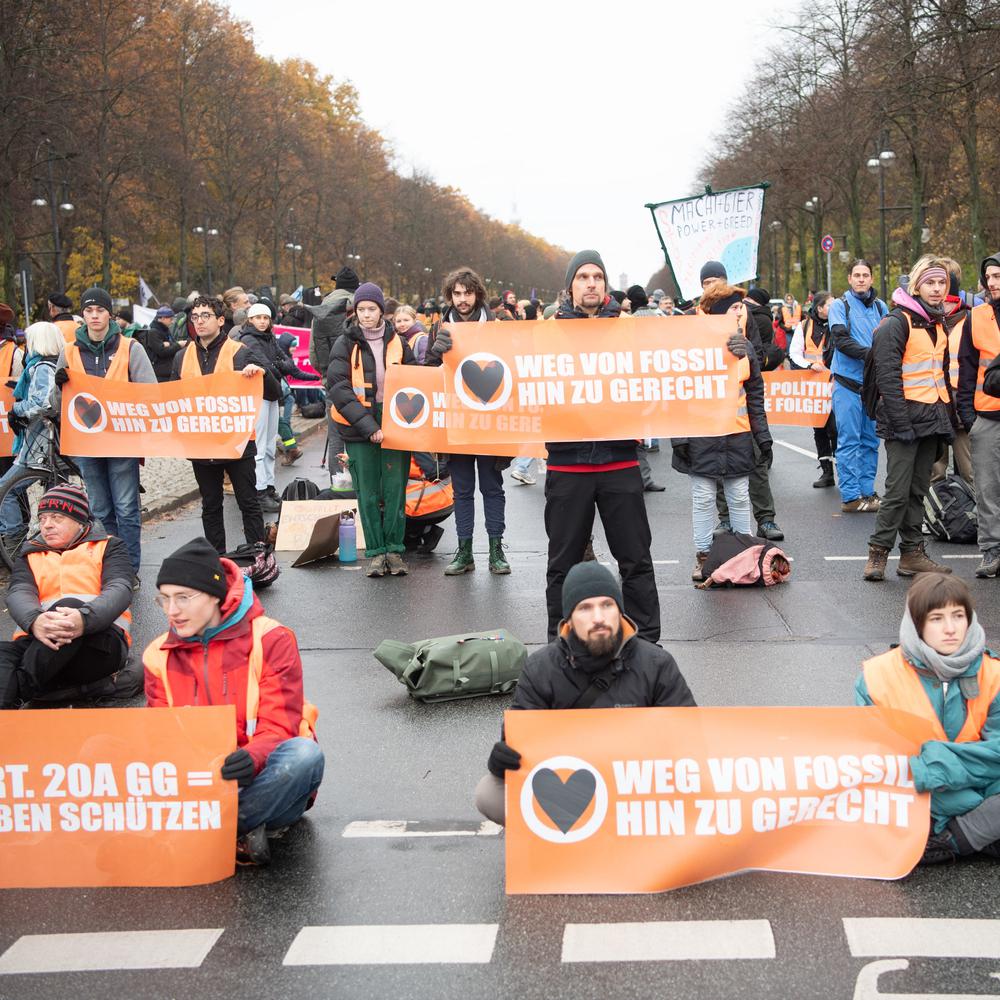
x=392, y=887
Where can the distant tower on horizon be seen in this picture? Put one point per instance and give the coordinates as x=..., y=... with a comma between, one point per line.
x=515, y=220
x=623, y=280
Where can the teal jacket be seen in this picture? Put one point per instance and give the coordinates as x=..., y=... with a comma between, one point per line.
x=959, y=776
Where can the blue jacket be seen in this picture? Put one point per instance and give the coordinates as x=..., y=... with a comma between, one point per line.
x=852, y=335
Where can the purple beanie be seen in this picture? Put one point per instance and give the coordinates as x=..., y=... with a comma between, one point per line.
x=370, y=292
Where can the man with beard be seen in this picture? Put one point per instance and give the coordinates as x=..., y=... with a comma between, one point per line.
x=596, y=661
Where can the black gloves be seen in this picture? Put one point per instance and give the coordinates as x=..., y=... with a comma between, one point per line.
x=766, y=453
x=238, y=767
x=17, y=423
x=308, y=376
x=442, y=343
x=737, y=345
x=991, y=381
x=683, y=453
x=503, y=758
x=907, y=437
x=62, y=376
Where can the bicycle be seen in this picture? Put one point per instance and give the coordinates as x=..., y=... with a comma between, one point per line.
x=45, y=469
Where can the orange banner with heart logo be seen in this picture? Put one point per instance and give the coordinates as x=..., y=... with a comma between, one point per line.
x=6, y=434
x=116, y=796
x=211, y=416
x=798, y=398
x=648, y=799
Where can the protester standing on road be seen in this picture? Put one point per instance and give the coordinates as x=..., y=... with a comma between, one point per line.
x=356, y=377
x=913, y=415
x=100, y=350
x=61, y=313
x=465, y=294
x=597, y=660
x=942, y=672
x=852, y=321
x=160, y=346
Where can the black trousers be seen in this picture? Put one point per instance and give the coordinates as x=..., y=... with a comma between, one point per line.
x=571, y=498
x=28, y=667
x=243, y=476
x=826, y=439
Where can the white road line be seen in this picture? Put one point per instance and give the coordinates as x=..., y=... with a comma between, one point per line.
x=922, y=937
x=978, y=555
x=656, y=562
x=796, y=448
x=178, y=949
x=668, y=941
x=851, y=558
x=414, y=828
x=393, y=944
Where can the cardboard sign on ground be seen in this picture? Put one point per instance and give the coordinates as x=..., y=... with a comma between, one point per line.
x=300, y=528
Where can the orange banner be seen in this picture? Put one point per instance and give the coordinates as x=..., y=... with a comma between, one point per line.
x=116, y=796
x=648, y=799
x=420, y=412
x=211, y=416
x=6, y=434
x=798, y=398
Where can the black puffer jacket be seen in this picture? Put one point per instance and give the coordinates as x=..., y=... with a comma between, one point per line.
x=898, y=418
x=590, y=452
x=161, y=348
x=340, y=391
x=731, y=454
x=760, y=333
x=265, y=351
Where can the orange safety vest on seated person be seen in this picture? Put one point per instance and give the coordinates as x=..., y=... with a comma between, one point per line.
x=426, y=497
x=76, y=573
x=986, y=340
x=190, y=367
x=812, y=350
x=892, y=682
x=155, y=658
x=923, y=365
x=118, y=370
x=393, y=356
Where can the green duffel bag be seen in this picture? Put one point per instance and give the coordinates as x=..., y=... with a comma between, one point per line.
x=455, y=666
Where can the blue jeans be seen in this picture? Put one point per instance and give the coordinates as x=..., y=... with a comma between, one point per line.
x=737, y=490
x=523, y=464
x=113, y=489
x=463, y=470
x=279, y=795
x=11, y=515
x=857, y=445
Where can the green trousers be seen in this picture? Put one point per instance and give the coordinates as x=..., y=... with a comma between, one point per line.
x=380, y=476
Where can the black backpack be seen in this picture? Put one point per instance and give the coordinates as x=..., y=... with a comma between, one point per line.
x=300, y=489
x=256, y=560
x=950, y=510
x=313, y=411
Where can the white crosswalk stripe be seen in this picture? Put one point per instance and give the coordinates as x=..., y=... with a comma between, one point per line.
x=410, y=828
x=668, y=941
x=394, y=944
x=926, y=937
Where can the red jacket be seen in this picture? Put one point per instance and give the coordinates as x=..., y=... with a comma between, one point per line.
x=215, y=673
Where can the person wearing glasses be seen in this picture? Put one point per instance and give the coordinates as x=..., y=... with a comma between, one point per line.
x=69, y=593
x=221, y=649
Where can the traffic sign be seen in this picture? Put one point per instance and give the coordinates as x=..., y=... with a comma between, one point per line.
x=827, y=244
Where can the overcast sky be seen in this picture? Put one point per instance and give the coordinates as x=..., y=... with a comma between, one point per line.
x=568, y=117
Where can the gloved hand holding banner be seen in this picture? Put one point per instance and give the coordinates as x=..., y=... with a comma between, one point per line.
x=798, y=398
x=211, y=416
x=647, y=799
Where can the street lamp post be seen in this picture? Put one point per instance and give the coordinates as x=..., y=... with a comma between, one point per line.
x=429, y=271
x=815, y=206
x=774, y=227
x=204, y=232
x=295, y=248
x=55, y=206
x=878, y=165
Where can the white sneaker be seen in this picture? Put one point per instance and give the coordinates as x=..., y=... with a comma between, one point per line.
x=523, y=477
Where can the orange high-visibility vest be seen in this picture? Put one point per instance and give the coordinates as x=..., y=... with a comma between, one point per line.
x=812, y=349
x=7, y=350
x=75, y=572
x=190, y=368
x=791, y=316
x=119, y=363
x=954, y=342
x=393, y=356
x=923, y=365
x=424, y=497
x=893, y=683
x=986, y=339
x=155, y=658
x=68, y=328
x=415, y=339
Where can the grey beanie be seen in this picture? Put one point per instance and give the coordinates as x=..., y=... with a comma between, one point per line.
x=589, y=579
x=713, y=269
x=584, y=257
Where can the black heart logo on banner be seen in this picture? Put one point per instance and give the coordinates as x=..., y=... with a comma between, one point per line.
x=409, y=406
x=566, y=801
x=88, y=411
x=482, y=382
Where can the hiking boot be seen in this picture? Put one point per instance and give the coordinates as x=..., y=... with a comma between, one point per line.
x=463, y=561
x=770, y=531
x=917, y=561
x=990, y=566
x=940, y=850
x=394, y=563
x=377, y=566
x=877, y=559
x=268, y=504
x=697, y=574
x=826, y=479
x=252, y=848
x=523, y=477
x=291, y=456
x=722, y=527
x=498, y=564
x=863, y=505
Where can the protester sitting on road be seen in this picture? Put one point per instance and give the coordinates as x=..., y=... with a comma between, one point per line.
x=356, y=380
x=69, y=593
x=222, y=650
x=913, y=415
x=942, y=672
x=596, y=661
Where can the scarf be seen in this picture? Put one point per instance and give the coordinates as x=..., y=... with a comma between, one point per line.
x=376, y=341
x=945, y=668
x=23, y=383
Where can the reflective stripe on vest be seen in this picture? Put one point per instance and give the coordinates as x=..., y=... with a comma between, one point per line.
x=424, y=498
x=811, y=351
x=7, y=350
x=155, y=658
x=393, y=356
x=117, y=371
x=893, y=683
x=75, y=573
x=923, y=365
x=986, y=340
x=190, y=368
x=954, y=342
x=414, y=340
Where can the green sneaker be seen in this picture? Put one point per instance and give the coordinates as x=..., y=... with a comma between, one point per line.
x=463, y=561
x=498, y=564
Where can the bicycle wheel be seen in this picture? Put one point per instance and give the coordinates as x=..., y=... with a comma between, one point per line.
x=21, y=494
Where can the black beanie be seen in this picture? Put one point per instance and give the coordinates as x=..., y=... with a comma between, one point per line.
x=637, y=296
x=589, y=579
x=584, y=257
x=96, y=297
x=713, y=269
x=723, y=306
x=347, y=279
x=759, y=295
x=195, y=565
